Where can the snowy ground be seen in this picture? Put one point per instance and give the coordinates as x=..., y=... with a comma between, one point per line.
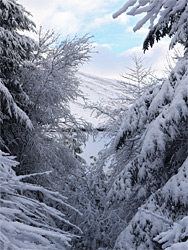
x=95, y=89
x=93, y=147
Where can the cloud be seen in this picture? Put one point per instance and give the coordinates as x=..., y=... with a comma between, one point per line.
x=65, y=22
x=108, y=64
x=83, y=7
x=73, y=16
x=40, y=10
x=100, y=21
x=104, y=63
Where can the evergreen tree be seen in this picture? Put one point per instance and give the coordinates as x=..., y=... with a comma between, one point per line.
x=148, y=188
x=15, y=48
x=165, y=17
x=37, y=81
x=25, y=222
x=50, y=81
x=137, y=80
x=158, y=128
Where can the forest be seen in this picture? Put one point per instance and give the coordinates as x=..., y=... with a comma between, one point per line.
x=49, y=197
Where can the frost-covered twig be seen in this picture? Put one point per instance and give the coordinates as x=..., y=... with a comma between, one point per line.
x=27, y=217
x=157, y=216
x=21, y=177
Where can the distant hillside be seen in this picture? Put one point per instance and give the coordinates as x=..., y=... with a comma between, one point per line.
x=96, y=90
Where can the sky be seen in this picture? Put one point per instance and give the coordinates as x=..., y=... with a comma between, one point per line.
x=113, y=39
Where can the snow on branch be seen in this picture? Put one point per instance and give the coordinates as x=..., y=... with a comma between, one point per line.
x=157, y=216
x=173, y=237
x=124, y=8
x=156, y=118
x=165, y=18
x=12, y=107
x=21, y=177
x=22, y=216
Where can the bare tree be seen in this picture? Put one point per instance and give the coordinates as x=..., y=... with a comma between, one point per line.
x=137, y=80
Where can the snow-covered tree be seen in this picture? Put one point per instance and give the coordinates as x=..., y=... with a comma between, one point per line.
x=149, y=180
x=50, y=82
x=15, y=48
x=150, y=148
x=165, y=17
x=137, y=80
x=25, y=222
x=164, y=214
x=134, y=83
x=37, y=81
x=175, y=237
x=50, y=77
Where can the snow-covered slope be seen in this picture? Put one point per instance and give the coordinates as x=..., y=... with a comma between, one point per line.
x=96, y=90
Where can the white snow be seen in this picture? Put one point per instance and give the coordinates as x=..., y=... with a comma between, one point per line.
x=93, y=146
x=160, y=12
x=25, y=222
x=96, y=90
